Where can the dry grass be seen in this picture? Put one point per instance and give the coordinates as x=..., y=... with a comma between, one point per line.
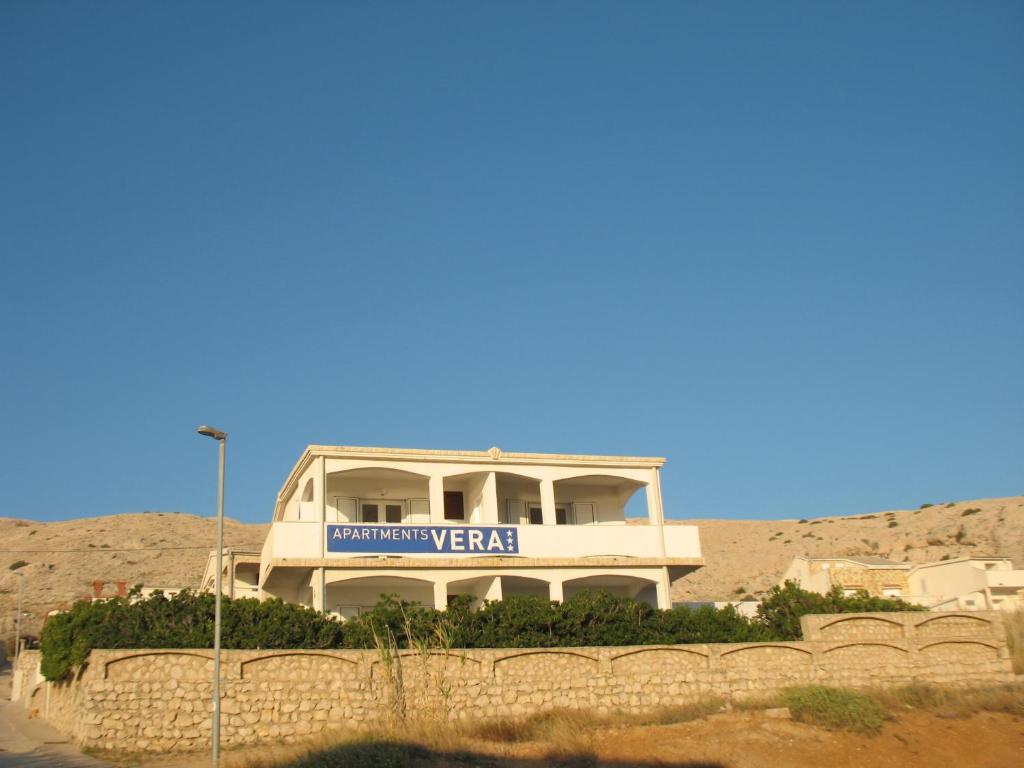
x=564, y=724
x=563, y=737
x=953, y=702
x=1014, y=623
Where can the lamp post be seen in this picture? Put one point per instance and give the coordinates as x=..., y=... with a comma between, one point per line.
x=222, y=439
x=17, y=621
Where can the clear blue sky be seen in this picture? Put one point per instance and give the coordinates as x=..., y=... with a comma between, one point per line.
x=781, y=244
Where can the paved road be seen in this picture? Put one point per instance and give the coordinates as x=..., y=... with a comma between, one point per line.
x=28, y=743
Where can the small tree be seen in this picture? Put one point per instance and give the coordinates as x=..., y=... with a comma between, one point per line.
x=780, y=611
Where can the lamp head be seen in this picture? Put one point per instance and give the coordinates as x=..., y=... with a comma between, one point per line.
x=216, y=434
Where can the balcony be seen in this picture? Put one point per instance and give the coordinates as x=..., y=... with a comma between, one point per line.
x=307, y=541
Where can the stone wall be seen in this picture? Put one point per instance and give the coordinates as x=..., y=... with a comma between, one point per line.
x=159, y=700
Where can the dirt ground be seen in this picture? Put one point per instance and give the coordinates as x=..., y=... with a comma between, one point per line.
x=915, y=740
x=728, y=740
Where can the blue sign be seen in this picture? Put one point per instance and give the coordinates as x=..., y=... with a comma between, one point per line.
x=414, y=539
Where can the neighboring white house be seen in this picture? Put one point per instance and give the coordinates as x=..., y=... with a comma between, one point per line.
x=351, y=524
x=982, y=583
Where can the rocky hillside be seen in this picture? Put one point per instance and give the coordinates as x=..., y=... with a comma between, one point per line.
x=749, y=556
x=61, y=560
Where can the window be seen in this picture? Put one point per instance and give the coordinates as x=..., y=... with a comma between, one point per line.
x=419, y=510
x=393, y=513
x=561, y=516
x=513, y=512
x=536, y=515
x=892, y=592
x=454, y=507
x=370, y=513
x=584, y=513
x=851, y=591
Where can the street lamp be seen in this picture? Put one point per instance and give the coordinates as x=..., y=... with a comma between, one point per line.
x=17, y=620
x=222, y=438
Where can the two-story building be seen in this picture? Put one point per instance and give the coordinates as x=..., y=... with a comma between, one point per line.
x=351, y=524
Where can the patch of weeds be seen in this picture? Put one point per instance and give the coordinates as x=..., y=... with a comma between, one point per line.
x=788, y=541
x=971, y=511
x=867, y=517
x=17, y=564
x=104, y=546
x=951, y=504
x=893, y=524
x=835, y=708
x=32, y=533
x=960, y=536
x=739, y=590
x=815, y=522
x=946, y=556
x=925, y=506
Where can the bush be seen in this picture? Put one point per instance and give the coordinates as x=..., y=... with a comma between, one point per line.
x=971, y=511
x=182, y=621
x=780, y=611
x=17, y=564
x=585, y=619
x=836, y=708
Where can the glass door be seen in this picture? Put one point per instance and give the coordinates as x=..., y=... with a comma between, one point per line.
x=380, y=511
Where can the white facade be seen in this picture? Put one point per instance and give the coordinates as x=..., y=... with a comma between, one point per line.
x=968, y=583
x=351, y=524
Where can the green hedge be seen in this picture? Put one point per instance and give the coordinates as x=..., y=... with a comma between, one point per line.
x=586, y=619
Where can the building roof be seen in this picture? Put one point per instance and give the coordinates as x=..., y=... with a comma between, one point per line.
x=868, y=561
x=492, y=455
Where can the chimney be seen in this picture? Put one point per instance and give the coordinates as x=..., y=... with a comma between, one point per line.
x=97, y=589
x=122, y=588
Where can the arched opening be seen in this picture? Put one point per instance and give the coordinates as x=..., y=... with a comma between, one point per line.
x=466, y=499
x=351, y=597
x=642, y=590
x=512, y=586
x=518, y=499
x=378, y=495
x=597, y=499
x=480, y=588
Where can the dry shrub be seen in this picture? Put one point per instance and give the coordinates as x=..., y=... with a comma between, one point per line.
x=836, y=708
x=953, y=702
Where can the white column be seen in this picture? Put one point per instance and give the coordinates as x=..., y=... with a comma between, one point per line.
x=555, y=591
x=494, y=590
x=320, y=499
x=664, y=590
x=322, y=578
x=547, y=501
x=440, y=595
x=436, y=499
x=655, y=513
x=489, y=505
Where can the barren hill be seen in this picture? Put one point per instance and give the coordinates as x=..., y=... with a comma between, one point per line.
x=749, y=556
x=156, y=549
x=61, y=560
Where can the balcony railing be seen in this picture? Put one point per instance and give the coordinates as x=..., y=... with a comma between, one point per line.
x=301, y=540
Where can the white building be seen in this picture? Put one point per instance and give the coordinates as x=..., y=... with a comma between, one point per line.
x=981, y=583
x=351, y=524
